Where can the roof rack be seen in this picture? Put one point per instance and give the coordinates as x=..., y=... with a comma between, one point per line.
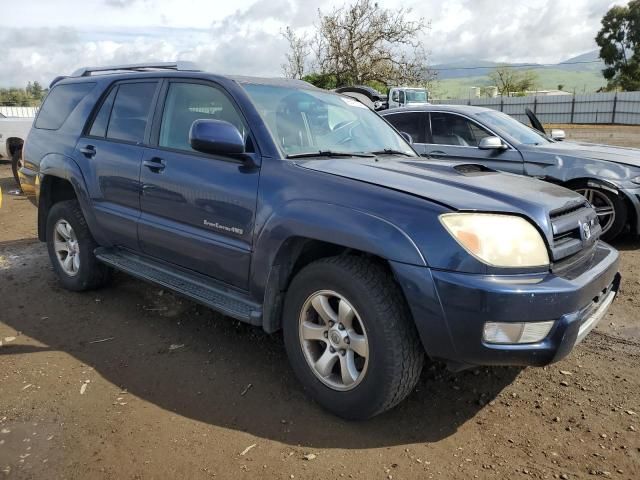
x=137, y=67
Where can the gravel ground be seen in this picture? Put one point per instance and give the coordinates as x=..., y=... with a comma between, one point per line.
x=133, y=382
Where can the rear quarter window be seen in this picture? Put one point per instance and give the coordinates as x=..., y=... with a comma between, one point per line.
x=59, y=104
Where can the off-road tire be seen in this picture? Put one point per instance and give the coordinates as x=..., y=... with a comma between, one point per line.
x=396, y=356
x=91, y=273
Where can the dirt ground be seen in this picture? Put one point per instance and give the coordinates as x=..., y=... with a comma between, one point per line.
x=622, y=135
x=133, y=382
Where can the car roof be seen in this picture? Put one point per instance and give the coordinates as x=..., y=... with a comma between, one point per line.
x=195, y=74
x=464, y=109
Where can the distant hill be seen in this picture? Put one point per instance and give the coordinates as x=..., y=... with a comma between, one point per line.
x=455, y=78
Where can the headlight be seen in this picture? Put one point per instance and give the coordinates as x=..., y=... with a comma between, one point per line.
x=636, y=180
x=498, y=240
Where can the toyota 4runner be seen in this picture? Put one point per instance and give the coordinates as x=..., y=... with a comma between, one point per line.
x=296, y=209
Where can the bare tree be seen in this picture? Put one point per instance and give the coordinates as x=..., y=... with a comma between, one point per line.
x=363, y=42
x=297, y=56
x=511, y=81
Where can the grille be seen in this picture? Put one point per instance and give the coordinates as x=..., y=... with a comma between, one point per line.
x=568, y=234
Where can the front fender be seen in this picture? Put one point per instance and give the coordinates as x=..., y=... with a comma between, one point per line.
x=331, y=223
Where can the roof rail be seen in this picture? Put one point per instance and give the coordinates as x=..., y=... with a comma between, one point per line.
x=137, y=67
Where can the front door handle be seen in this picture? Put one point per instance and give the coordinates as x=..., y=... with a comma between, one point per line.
x=438, y=153
x=156, y=164
x=88, y=151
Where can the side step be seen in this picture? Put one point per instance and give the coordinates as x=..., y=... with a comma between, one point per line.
x=190, y=284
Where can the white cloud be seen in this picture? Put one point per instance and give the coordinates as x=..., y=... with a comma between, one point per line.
x=243, y=36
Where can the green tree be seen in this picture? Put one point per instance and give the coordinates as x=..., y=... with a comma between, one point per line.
x=618, y=41
x=31, y=96
x=322, y=80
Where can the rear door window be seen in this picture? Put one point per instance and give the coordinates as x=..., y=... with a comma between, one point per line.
x=130, y=112
x=99, y=127
x=59, y=104
x=409, y=122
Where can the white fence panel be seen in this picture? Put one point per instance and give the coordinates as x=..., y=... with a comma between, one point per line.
x=22, y=112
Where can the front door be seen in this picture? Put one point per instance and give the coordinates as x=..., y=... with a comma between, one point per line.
x=110, y=154
x=456, y=137
x=197, y=209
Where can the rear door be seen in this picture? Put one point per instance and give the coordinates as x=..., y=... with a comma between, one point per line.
x=197, y=209
x=112, y=150
x=414, y=123
x=456, y=137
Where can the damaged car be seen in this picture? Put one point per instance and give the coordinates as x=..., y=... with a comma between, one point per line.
x=609, y=177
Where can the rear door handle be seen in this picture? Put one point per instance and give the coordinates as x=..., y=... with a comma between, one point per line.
x=88, y=151
x=155, y=164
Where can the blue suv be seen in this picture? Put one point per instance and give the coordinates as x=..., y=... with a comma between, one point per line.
x=296, y=209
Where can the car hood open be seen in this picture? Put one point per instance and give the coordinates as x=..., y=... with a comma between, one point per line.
x=456, y=185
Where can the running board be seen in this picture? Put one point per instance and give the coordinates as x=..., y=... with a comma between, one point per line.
x=201, y=289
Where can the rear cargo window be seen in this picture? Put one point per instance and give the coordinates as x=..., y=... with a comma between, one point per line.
x=60, y=103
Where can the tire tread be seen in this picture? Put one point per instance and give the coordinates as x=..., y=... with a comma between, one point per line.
x=405, y=369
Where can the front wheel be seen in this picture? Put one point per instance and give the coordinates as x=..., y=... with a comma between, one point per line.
x=350, y=338
x=610, y=208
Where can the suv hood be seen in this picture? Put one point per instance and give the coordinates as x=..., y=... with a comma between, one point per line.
x=593, y=151
x=456, y=185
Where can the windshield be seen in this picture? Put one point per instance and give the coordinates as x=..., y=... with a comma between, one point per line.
x=416, y=96
x=305, y=120
x=506, y=125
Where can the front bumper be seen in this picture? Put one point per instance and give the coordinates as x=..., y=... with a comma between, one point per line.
x=450, y=309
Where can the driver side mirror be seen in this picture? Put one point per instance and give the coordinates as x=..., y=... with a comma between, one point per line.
x=216, y=137
x=558, y=135
x=491, y=143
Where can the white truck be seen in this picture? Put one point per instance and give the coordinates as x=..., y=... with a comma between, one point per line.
x=408, y=96
x=397, y=97
x=13, y=133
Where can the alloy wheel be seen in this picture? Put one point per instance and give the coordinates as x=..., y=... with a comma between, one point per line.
x=333, y=340
x=67, y=248
x=603, y=205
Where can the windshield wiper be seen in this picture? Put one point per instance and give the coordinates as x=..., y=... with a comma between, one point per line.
x=391, y=151
x=329, y=153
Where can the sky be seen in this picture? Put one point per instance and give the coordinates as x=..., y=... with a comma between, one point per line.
x=41, y=39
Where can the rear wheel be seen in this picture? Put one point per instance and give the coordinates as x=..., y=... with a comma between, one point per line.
x=349, y=337
x=16, y=164
x=71, y=247
x=610, y=208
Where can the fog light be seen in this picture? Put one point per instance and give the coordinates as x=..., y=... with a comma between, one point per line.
x=518, y=332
